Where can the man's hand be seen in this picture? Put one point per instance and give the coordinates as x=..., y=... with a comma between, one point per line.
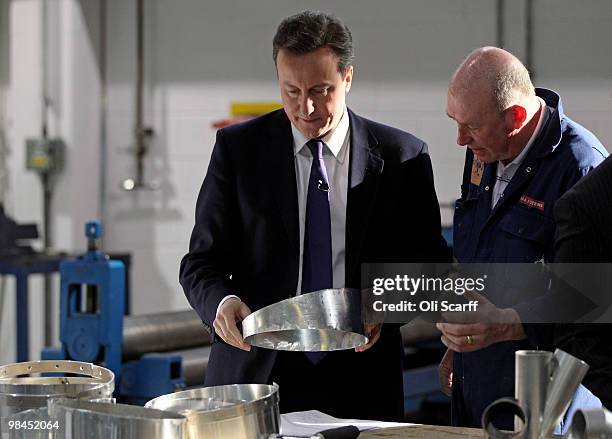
x=233, y=310
x=445, y=373
x=471, y=331
x=373, y=333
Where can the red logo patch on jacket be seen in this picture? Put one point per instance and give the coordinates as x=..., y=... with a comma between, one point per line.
x=530, y=202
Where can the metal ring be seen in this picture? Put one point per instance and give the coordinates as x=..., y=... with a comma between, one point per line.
x=503, y=406
x=100, y=384
x=469, y=339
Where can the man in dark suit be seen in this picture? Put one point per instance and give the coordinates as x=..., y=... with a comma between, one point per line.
x=584, y=235
x=297, y=200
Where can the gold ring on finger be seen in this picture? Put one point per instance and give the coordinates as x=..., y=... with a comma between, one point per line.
x=469, y=339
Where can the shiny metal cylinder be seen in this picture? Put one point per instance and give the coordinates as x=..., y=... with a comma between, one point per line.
x=237, y=411
x=84, y=419
x=162, y=332
x=19, y=393
x=504, y=406
x=325, y=320
x=591, y=424
x=531, y=380
x=567, y=375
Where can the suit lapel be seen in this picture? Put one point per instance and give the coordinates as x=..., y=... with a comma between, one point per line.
x=281, y=177
x=366, y=164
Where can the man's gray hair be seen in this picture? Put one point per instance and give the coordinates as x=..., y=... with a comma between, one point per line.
x=495, y=71
x=507, y=83
x=311, y=30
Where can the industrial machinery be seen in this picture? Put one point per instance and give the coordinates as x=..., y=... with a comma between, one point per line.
x=151, y=355
x=13, y=235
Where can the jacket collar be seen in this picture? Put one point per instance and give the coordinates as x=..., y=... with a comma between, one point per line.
x=550, y=135
x=366, y=164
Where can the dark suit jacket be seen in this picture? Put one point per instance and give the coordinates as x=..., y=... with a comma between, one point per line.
x=584, y=234
x=246, y=238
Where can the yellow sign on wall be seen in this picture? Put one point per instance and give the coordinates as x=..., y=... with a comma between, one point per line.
x=253, y=108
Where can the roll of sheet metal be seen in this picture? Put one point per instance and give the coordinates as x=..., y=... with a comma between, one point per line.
x=162, y=332
x=85, y=419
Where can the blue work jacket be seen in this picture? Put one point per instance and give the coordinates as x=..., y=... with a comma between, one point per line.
x=519, y=229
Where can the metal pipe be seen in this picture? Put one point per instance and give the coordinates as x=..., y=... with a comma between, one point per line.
x=2, y=298
x=103, y=121
x=48, y=287
x=500, y=24
x=569, y=372
x=162, y=332
x=529, y=38
x=139, y=129
x=142, y=134
x=591, y=424
x=532, y=376
x=46, y=176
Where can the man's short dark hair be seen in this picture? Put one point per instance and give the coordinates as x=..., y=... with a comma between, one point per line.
x=311, y=30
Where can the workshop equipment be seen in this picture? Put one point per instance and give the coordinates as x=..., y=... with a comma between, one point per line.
x=85, y=419
x=14, y=237
x=533, y=372
x=45, y=156
x=237, y=411
x=142, y=134
x=19, y=392
x=18, y=258
x=567, y=374
x=151, y=355
x=325, y=320
x=544, y=386
x=591, y=424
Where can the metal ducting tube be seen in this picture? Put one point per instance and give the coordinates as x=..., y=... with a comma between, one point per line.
x=591, y=424
x=162, y=332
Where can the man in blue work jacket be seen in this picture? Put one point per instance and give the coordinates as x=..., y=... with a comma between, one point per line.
x=522, y=154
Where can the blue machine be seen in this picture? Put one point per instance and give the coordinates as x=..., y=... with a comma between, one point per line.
x=92, y=301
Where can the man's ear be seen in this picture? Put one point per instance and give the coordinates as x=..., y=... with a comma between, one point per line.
x=518, y=115
x=348, y=78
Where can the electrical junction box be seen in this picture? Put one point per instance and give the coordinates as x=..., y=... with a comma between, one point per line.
x=45, y=155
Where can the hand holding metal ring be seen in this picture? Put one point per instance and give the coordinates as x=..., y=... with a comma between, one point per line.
x=469, y=339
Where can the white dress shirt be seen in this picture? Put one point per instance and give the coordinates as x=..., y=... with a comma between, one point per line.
x=336, y=157
x=506, y=172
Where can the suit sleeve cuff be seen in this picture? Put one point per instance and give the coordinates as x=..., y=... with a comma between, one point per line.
x=225, y=299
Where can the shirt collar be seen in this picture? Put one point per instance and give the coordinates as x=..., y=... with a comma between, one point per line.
x=334, y=140
x=519, y=159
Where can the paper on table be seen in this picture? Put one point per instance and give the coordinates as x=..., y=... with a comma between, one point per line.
x=308, y=423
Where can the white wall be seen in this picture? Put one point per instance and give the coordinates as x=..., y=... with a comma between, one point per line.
x=202, y=55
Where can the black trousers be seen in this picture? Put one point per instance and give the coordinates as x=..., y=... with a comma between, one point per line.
x=345, y=384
